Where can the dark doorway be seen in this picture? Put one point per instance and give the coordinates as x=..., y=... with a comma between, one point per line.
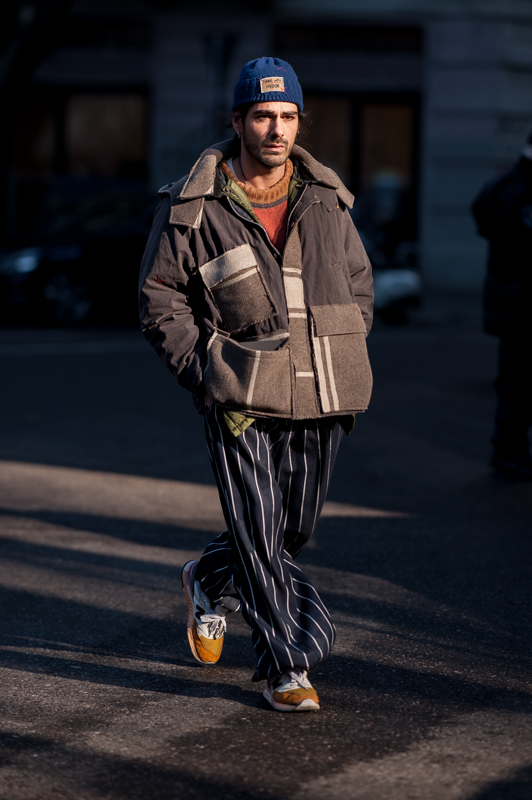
x=79, y=134
x=371, y=141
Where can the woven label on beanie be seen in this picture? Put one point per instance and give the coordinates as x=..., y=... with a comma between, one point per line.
x=272, y=85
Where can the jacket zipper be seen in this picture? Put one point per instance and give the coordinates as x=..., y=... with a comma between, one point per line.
x=252, y=221
x=262, y=228
x=288, y=229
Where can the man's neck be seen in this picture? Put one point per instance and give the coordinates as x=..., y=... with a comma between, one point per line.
x=255, y=174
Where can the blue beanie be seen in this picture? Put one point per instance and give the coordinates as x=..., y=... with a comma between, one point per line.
x=265, y=80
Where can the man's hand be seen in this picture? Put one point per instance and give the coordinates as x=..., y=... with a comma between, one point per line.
x=207, y=400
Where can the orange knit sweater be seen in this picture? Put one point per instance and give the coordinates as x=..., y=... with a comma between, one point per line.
x=270, y=205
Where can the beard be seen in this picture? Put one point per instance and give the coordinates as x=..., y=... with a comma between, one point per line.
x=262, y=154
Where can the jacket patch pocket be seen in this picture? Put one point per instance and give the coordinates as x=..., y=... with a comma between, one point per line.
x=341, y=358
x=238, y=289
x=257, y=381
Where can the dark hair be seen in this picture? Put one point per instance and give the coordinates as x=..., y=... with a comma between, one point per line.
x=243, y=110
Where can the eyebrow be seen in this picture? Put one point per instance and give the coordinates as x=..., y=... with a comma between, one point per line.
x=268, y=113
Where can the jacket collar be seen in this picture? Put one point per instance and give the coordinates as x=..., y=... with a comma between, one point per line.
x=202, y=180
x=322, y=175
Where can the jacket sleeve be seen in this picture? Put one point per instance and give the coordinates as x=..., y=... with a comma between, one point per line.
x=360, y=270
x=165, y=301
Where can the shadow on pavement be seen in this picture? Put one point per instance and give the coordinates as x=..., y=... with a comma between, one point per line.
x=135, y=531
x=117, y=778
x=516, y=787
x=420, y=450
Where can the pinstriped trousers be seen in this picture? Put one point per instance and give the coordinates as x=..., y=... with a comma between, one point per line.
x=272, y=481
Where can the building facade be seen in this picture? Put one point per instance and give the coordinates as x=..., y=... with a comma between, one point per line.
x=414, y=102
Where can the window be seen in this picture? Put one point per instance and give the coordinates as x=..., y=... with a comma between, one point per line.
x=98, y=136
x=370, y=140
x=105, y=134
x=85, y=133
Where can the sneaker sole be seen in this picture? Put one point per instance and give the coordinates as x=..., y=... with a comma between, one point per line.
x=187, y=578
x=305, y=705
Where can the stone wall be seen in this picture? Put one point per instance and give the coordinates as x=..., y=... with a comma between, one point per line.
x=474, y=76
x=195, y=63
x=478, y=110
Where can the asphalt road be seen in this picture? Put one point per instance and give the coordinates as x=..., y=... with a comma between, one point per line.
x=422, y=555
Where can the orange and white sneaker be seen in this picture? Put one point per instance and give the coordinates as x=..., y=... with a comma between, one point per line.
x=292, y=691
x=206, y=628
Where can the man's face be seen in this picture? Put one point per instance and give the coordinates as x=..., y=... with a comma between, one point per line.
x=269, y=131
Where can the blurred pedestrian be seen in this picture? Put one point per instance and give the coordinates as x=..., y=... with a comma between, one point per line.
x=256, y=291
x=503, y=213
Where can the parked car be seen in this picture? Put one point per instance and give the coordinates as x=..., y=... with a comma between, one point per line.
x=396, y=280
x=80, y=263
x=385, y=215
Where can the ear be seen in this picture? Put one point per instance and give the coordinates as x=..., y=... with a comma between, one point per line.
x=237, y=123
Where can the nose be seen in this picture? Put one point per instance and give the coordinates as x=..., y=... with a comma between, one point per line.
x=277, y=128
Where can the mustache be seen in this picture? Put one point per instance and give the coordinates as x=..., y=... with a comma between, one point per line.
x=267, y=142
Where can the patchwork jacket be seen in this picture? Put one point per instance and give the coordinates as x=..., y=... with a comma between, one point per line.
x=264, y=333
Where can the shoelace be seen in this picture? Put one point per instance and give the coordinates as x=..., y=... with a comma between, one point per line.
x=213, y=625
x=298, y=677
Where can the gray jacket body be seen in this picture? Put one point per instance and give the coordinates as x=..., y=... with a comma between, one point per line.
x=264, y=333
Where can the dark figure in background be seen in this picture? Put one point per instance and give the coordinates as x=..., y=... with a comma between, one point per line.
x=503, y=212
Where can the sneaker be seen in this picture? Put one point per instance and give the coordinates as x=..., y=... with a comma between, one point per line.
x=205, y=627
x=291, y=691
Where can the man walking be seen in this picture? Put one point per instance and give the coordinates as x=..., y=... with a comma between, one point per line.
x=503, y=213
x=257, y=293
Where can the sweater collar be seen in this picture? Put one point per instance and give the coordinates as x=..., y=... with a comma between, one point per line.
x=203, y=180
x=261, y=196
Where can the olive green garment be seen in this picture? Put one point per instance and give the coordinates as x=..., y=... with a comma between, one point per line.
x=237, y=423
